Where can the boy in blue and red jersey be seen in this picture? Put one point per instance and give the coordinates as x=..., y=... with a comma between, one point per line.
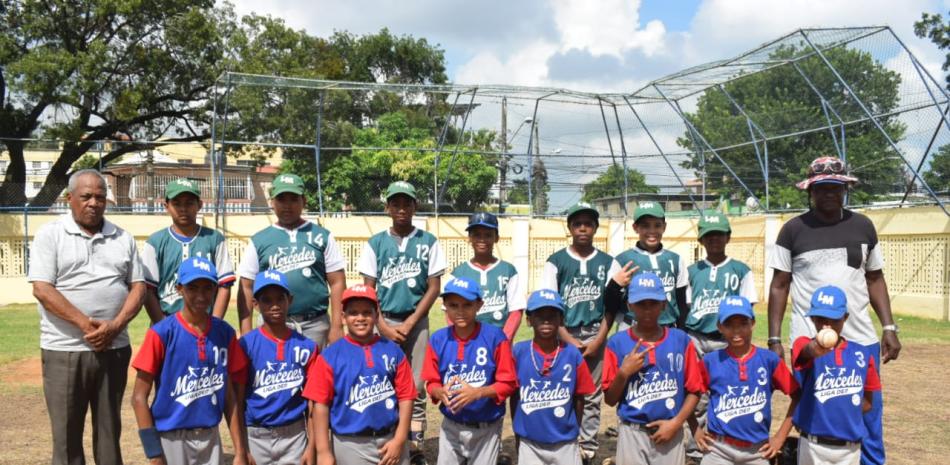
x=468, y=370
x=740, y=380
x=655, y=389
x=278, y=359
x=363, y=391
x=191, y=358
x=837, y=386
x=553, y=379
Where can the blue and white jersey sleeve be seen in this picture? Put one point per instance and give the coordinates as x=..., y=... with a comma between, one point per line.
x=222, y=262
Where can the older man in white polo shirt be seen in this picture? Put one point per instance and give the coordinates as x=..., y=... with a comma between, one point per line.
x=89, y=282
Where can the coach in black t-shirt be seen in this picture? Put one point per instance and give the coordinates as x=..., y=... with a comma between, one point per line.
x=830, y=245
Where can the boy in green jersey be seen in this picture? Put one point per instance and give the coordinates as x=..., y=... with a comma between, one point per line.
x=580, y=273
x=165, y=249
x=308, y=255
x=502, y=287
x=649, y=221
x=405, y=265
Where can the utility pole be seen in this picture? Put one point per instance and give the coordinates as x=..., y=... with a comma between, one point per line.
x=503, y=161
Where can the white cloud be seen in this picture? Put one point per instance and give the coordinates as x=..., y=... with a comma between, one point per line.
x=605, y=27
x=526, y=66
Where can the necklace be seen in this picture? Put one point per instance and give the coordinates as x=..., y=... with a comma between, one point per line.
x=544, y=372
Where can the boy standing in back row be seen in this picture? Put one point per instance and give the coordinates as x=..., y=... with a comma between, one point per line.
x=579, y=273
x=405, y=266
x=184, y=238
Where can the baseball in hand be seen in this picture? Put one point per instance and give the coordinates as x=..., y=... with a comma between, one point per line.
x=827, y=337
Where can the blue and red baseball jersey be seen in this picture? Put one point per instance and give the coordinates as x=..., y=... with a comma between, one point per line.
x=191, y=371
x=658, y=390
x=833, y=387
x=361, y=384
x=545, y=410
x=483, y=359
x=740, y=392
x=275, y=379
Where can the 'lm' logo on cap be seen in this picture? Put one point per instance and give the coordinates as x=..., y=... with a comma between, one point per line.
x=184, y=182
x=734, y=301
x=271, y=275
x=547, y=295
x=646, y=282
x=460, y=283
x=287, y=179
x=826, y=299
x=647, y=204
x=711, y=219
x=358, y=288
x=201, y=265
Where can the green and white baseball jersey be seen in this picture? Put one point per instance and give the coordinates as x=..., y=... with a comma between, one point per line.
x=581, y=283
x=669, y=266
x=402, y=267
x=163, y=253
x=708, y=284
x=305, y=254
x=502, y=290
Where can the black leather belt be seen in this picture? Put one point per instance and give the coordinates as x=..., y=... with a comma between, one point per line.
x=373, y=433
x=305, y=316
x=827, y=441
x=641, y=426
x=398, y=316
x=475, y=424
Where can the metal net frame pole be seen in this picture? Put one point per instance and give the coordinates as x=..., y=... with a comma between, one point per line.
x=623, y=158
x=213, y=152
x=702, y=162
x=531, y=142
x=610, y=145
x=438, y=151
x=825, y=107
x=316, y=152
x=753, y=128
x=874, y=120
x=662, y=153
x=689, y=124
x=445, y=183
x=222, y=156
x=920, y=165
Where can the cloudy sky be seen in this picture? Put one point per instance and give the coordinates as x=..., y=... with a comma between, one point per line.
x=595, y=45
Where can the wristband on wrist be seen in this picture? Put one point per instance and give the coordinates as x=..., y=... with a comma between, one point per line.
x=774, y=340
x=151, y=442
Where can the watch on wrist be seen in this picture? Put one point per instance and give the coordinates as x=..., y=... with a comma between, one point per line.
x=891, y=327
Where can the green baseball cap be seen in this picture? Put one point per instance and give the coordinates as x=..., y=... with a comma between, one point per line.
x=286, y=183
x=582, y=207
x=653, y=209
x=401, y=187
x=711, y=221
x=179, y=186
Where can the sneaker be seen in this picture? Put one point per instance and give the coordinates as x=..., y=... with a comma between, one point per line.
x=504, y=459
x=611, y=432
x=608, y=461
x=693, y=460
x=417, y=457
x=587, y=457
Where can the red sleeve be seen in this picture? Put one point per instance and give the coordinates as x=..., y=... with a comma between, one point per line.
x=693, y=377
x=511, y=326
x=873, y=381
x=782, y=379
x=704, y=376
x=237, y=361
x=505, y=377
x=151, y=355
x=610, y=368
x=585, y=382
x=797, y=347
x=405, y=385
x=430, y=372
x=319, y=387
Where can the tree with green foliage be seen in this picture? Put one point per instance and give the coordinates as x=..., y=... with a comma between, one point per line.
x=358, y=179
x=934, y=27
x=938, y=176
x=780, y=101
x=103, y=67
x=610, y=184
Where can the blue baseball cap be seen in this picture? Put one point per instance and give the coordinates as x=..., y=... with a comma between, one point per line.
x=735, y=305
x=464, y=288
x=195, y=268
x=829, y=302
x=545, y=298
x=645, y=286
x=270, y=278
x=486, y=220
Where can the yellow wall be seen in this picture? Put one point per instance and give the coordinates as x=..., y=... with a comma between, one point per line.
x=915, y=243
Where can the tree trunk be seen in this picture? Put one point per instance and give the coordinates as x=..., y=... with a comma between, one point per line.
x=58, y=177
x=14, y=181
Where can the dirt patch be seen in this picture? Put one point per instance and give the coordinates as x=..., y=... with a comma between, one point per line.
x=916, y=414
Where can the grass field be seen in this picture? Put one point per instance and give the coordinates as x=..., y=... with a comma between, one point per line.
x=917, y=402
